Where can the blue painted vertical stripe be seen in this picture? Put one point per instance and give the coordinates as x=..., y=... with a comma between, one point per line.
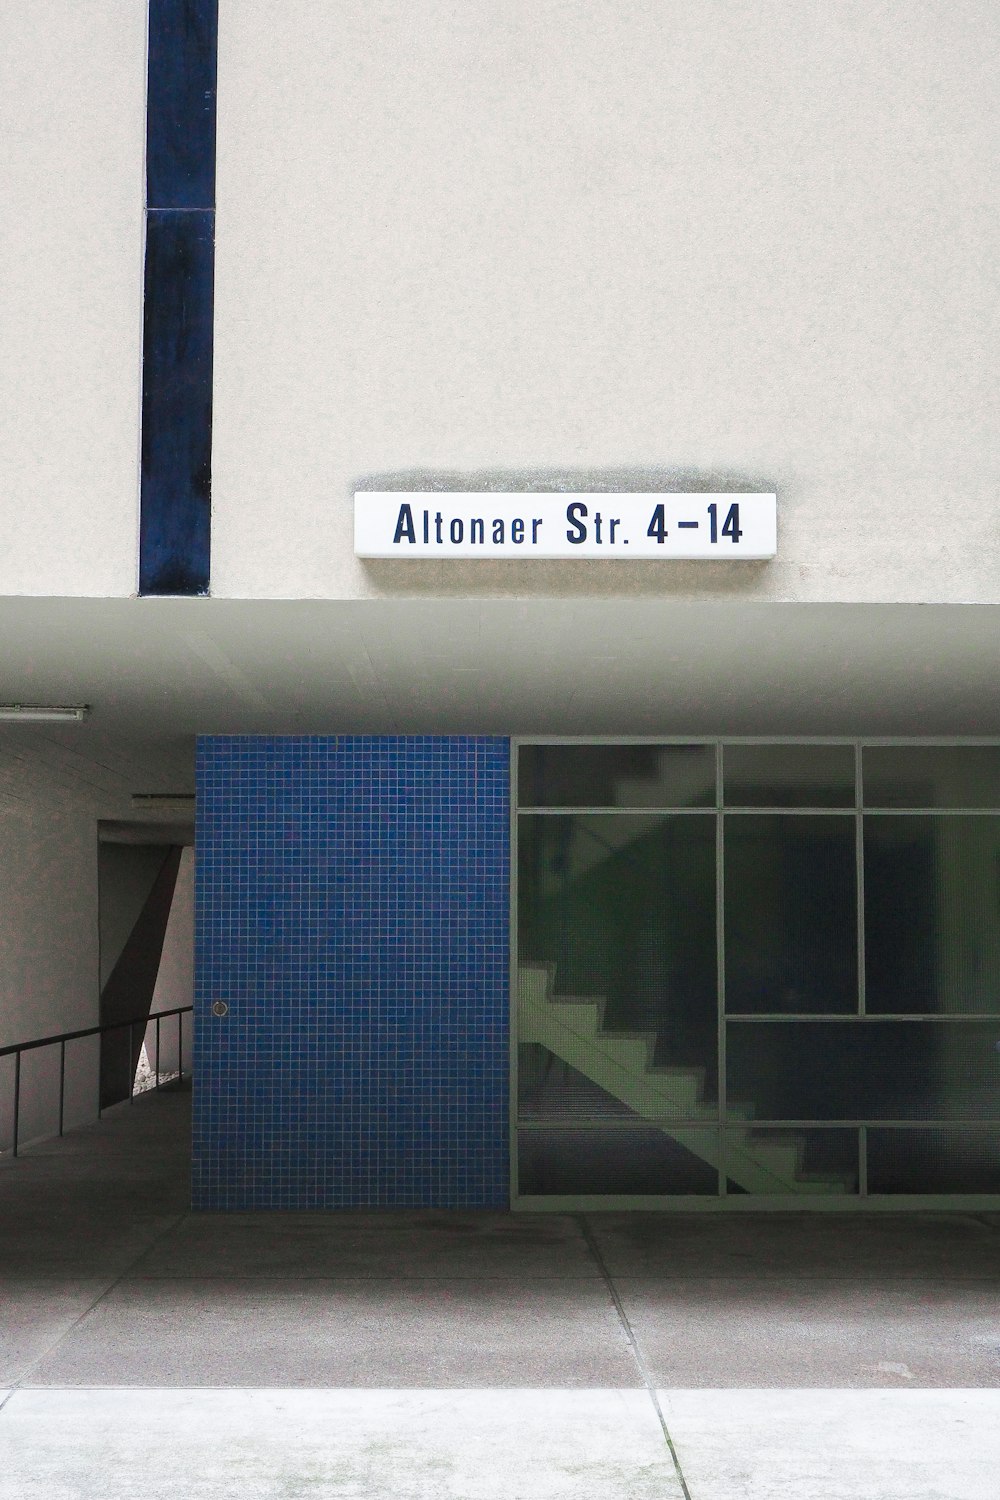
x=175, y=487
x=176, y=491
x=180, y=103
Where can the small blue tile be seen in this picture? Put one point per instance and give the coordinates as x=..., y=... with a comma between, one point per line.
x=353, y=910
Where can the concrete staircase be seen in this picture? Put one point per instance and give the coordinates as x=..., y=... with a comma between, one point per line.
x=622, y=1065
x=670, y=784
x=600, y=836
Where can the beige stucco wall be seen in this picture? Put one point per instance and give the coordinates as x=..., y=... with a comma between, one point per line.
x=610, y=244
x=72, y=83
x=48, y=923
x=48, y=959
x=175, y=977
x=51, y=800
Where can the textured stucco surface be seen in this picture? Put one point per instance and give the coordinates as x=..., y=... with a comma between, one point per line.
x=72, y=83
x=48, y=922
x=52, y=797
x=636, y=246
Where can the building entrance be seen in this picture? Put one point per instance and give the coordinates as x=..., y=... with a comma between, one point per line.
x=757, y=972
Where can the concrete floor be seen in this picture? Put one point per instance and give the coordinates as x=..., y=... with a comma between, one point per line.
x=458, y=1355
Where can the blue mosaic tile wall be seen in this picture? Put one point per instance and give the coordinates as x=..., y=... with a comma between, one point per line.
x=352, y=912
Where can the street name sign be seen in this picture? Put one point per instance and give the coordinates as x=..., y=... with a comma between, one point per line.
x=449, y=524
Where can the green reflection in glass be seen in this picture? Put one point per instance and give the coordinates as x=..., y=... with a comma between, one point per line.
x=864, y=1070
x=931, y=775
x=932, y=915
x=616, y=775
x=788, y=775
x=933, y=1161
x=621, y=909
x=791, y=914
x=635, y=1158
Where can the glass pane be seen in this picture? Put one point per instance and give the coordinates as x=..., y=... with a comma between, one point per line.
x=617, y=965
x=791, y=924
x=788, y=775
x=608, y=1158
x=863, y=1070
x=616, y=1073
x=812, y=1163
x=932, y=915
x=931, y=775
x=933, y=1161
x=549, y=1088
x=616, y=776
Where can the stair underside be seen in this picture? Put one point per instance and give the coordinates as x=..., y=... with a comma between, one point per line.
x=622, y=1065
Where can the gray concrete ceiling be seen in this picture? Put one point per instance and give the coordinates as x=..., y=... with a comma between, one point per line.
x=159, y=672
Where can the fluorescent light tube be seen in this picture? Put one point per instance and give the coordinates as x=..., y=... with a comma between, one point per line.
x=163, y=801
x=43, y=713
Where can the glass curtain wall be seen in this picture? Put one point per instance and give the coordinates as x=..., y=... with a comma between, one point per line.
x=757, y=969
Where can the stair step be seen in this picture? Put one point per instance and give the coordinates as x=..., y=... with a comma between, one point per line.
x=570, y=1013
x=621, y=1063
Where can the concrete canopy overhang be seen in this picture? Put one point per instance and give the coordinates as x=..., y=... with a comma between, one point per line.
x=159, y=672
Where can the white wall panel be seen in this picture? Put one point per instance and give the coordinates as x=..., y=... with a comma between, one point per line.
x=749, y=245
x=48, y=956
x=126, y=874
x=175, y=976
x=48, y=922
x=72, y=83
x=52, y=796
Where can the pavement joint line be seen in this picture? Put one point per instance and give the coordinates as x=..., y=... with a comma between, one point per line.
x=24, y=1377
x=637, y=1355
x=386, y=1278
x=896, y=1283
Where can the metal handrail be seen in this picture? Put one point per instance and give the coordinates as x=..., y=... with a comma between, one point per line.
x=61, y=1038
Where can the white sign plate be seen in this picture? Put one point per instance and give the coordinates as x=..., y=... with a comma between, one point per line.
x=446, y=524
